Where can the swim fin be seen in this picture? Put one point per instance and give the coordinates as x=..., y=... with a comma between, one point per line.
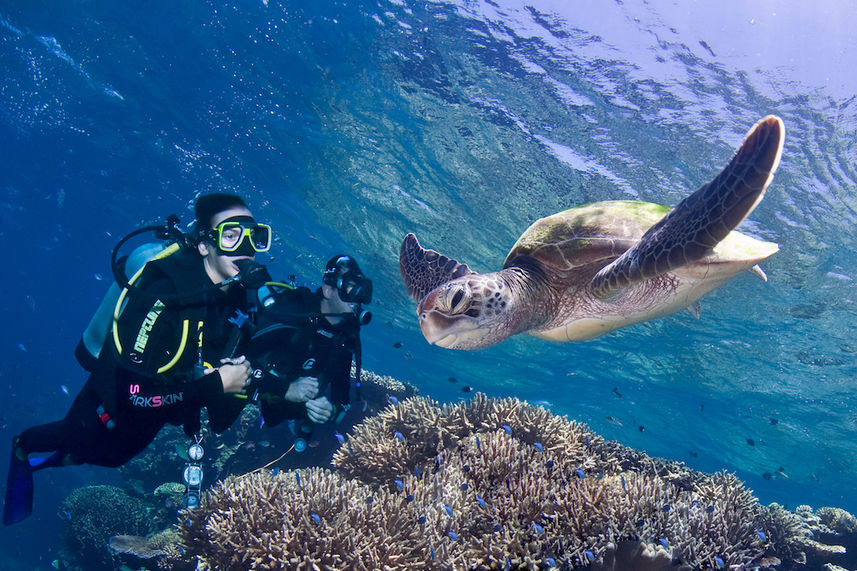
x=19, y=488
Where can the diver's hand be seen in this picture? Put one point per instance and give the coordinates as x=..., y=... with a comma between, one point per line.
x=234, y=374
x=302, y=389
x=320, y=410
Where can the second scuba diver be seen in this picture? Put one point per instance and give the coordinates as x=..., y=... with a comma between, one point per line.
x=305, y=341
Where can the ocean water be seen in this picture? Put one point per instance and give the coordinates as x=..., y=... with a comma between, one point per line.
x=349, y=124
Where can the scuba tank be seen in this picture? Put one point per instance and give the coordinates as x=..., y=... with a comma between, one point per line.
x=95, y=334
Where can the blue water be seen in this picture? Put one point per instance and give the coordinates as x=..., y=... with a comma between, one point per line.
x=348, y=124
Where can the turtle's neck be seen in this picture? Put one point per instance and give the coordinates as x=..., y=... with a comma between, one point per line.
x=529, y=285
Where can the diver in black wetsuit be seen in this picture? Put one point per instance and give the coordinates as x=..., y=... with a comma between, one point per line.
x=308, y=339
x=169, y=355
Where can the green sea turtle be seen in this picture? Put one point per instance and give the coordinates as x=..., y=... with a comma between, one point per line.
x=589, y=270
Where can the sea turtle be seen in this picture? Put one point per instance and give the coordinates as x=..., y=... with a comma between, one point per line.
x=589, y=270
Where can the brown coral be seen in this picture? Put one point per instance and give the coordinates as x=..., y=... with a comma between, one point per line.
x=492, y=483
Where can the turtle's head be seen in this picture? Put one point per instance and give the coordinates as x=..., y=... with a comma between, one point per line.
x=470, y=312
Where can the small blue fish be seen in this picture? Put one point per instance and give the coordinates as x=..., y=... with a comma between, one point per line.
x=539, y=529
x=710, y=509
x=181, y=550
x=539, y=446
x=400, y=484
x=275, y=471
x=549, y=464
x=393, y=399
x=339, y=437
x=623, y=482
x=508, y=487
x=664, y=542
x=432, y=553
x=369, y=499
x=316, y=519
x=188, y=522
x=399, y=436
x=64, y=389
x=466, y=468
x=67, y=515
x=507, y=428
x=262, y=422
x=478, y=444
x=21, y=347
x=409, y=498
x=579, y=473
x=453, y=535
x=550, y=561
x=762, y=536
x=298, y=477
x=448, y=509
x=350, y=450
x=481, y=502
x=264, y=443
x=586, y=439
x=666, y=508
x=498, y=527
x=417, y=471
x=719, y=563
x=589, y=555
x=421, y=520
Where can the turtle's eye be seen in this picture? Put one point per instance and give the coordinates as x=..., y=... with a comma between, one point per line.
x=457, y=299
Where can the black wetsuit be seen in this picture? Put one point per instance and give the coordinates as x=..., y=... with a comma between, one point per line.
x=156, y=377
x=294, y=340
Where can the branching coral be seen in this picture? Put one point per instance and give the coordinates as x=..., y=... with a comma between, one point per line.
x=493, y=483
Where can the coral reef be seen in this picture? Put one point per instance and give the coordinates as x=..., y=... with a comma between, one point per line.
x=489, y=484
x=92, y=515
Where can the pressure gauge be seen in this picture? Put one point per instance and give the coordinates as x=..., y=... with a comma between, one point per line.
x=195, y=452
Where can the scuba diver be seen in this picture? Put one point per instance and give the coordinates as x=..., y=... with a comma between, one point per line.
x=306, y=340
x=173, y=349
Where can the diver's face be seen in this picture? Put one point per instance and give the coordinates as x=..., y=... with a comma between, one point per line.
x=220, y=266
x=332, y=303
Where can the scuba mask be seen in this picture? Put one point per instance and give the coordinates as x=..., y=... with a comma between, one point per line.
x=240, y=236
x=344, y=274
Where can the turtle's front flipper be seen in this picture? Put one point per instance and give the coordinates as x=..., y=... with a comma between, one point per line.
x=704, y=218
x=424, y=270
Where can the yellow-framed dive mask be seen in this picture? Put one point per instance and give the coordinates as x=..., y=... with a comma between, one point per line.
x=241, y=236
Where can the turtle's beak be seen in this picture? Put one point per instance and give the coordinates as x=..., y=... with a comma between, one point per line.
x=445, y=330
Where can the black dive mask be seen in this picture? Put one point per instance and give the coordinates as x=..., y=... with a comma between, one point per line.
x=344, y=274
x=354, y=289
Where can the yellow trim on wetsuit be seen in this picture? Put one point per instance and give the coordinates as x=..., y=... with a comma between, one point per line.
x=180, y=350
x=171, y=249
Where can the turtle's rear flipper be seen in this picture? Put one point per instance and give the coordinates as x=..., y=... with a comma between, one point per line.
x=424, y=270
x=704, y=218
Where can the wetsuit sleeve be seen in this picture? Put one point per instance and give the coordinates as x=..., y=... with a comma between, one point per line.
x=337, y=374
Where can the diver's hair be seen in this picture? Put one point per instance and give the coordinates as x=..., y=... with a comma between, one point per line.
x=208, y=205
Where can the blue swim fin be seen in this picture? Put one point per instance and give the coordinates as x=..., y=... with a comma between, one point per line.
x=19, y=489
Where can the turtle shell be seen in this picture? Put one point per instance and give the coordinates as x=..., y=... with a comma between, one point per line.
x=584, y=239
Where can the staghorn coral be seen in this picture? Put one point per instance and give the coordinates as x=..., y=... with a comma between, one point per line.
x=489, y=484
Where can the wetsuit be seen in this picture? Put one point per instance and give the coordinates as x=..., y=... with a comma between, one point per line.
x=153, y=376
x=294, y=340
